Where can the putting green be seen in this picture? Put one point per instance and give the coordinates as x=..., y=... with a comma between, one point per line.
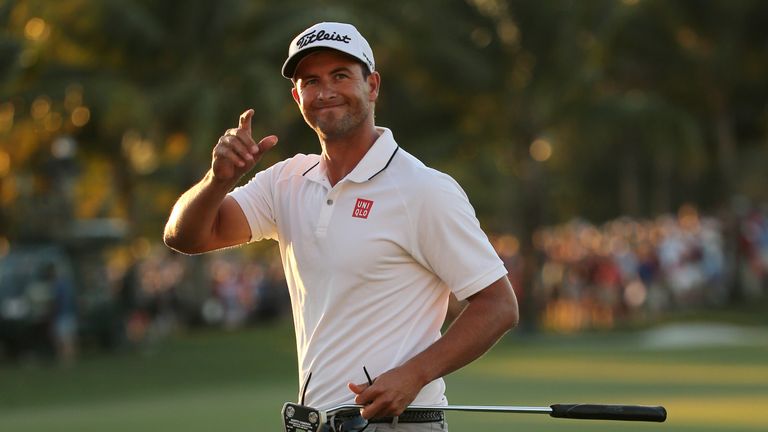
x=238, y=382
x=628, y=371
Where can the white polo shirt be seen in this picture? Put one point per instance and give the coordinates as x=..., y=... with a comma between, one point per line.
x=369, y=262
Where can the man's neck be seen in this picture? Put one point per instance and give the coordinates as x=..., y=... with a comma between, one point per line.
x=342, y=154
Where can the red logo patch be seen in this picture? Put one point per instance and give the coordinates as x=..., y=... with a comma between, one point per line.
x=362, y=208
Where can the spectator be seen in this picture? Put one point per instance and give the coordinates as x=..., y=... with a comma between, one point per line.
x=64, y=315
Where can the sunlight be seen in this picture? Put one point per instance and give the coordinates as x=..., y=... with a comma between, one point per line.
x=36, y=29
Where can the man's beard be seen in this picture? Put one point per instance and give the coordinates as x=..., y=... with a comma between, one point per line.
x=333, y=127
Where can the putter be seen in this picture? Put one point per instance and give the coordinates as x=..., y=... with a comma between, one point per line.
x=569, y=411
x=302, y=418
x=299, y=418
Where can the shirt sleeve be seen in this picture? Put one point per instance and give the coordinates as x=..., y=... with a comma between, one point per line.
x=256, y=199
x=450, y=242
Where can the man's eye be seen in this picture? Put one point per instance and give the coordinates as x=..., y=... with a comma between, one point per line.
x=341, y=76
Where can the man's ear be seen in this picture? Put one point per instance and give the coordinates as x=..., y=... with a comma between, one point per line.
x=295, y=94
x=374, y=83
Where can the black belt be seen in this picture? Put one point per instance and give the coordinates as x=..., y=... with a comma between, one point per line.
x=406, y=417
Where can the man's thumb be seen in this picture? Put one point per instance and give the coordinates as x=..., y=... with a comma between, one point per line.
x=267, y=142
x=357, y=388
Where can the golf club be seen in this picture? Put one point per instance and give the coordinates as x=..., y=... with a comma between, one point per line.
x=571, y=411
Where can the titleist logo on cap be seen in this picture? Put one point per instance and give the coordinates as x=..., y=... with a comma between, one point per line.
x=316, y=36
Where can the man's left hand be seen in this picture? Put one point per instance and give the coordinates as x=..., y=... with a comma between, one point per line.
x=389, y=394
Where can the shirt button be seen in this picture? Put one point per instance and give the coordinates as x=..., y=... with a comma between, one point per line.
x=329, y=202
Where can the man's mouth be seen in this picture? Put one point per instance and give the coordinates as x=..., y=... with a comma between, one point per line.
x=327, y=107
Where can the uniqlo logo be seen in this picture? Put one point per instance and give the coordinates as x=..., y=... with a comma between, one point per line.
x=362, y=208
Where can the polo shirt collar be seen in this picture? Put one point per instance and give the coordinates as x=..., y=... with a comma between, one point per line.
x=375, y=160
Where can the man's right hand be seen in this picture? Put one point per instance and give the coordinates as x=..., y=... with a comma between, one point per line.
x=236, y=152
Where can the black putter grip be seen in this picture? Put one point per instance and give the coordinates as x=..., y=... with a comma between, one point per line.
x=610, y=412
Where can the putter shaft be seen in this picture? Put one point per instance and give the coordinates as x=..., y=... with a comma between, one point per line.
x=472, y=408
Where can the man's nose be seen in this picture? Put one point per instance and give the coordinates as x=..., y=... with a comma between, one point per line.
x=327, y=90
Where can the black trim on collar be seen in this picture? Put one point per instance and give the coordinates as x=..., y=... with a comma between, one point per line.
x=310, y=168
x=388, y=162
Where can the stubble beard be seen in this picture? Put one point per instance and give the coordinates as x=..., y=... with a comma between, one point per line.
x=332, y=127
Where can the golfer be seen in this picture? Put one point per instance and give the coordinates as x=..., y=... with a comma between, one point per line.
x=372, y=242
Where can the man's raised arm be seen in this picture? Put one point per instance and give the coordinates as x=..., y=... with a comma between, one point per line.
x=204, y=218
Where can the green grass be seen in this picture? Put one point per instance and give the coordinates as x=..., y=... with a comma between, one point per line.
x=238, y=382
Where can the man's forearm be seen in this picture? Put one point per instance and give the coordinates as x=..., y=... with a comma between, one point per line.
x=490, y=314
x=487, y=317
x=193, y=219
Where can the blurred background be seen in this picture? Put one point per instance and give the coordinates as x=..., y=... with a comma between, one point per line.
x=614, y=150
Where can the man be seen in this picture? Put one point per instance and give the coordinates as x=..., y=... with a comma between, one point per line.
x=372, y=241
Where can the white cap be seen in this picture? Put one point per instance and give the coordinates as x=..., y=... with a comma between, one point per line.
x=338, y=36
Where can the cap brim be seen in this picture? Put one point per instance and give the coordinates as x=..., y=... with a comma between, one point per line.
x=289, y=67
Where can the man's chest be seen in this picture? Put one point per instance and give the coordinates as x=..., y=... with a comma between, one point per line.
x=352, y=228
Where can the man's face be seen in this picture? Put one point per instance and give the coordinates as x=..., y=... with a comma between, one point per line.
x=333, y=96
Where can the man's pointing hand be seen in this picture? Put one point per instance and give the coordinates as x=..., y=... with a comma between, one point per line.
x=236, y=152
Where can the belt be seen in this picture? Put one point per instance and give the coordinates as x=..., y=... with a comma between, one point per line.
x=406, y=417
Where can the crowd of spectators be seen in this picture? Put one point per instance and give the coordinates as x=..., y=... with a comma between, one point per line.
x=631, y=269
x=51, y=305
x=164, y=291
x=585, y=277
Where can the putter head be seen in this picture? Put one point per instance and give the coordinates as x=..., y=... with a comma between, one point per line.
x=301, y=418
